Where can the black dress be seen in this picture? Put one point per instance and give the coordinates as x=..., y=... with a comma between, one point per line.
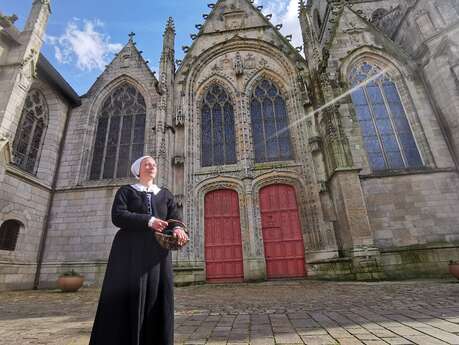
x=136, y=301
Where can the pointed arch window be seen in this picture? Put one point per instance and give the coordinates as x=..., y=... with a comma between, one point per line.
x=387, y=135
x=9, y=232
x=30, y=134
x=270, y=131
x=218, y=142
x=120, y=133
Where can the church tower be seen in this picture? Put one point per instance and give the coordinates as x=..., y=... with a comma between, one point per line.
x=18, y=62
x=18, y=65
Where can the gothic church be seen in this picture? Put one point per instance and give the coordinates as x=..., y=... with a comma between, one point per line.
x=334, y=160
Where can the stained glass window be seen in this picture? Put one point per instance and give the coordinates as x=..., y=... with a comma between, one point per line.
x=30, y=133
x=270, y=131
x=218, y=141
x=387, y=135
x=9, y=232
x=120, y=133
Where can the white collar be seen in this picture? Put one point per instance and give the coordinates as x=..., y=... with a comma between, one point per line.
x=141, y=188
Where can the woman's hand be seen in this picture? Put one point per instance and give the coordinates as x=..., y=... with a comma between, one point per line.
x=181, y=235
x=159, y=225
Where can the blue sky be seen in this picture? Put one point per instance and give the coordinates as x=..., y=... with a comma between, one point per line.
x=83, y=35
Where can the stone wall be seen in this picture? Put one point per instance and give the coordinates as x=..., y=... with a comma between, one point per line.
x=26, y=201
x=416, y=209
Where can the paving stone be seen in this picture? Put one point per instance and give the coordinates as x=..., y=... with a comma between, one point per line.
x=268, y=313
x=397, y=341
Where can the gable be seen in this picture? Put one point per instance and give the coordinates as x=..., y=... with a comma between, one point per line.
x=233, y=15
x=232, y=20
x=354, y=31
x=128, y=61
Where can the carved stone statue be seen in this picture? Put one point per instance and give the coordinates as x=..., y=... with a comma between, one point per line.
x=238, y=66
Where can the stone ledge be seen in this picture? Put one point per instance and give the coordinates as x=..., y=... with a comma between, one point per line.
x=406, y=172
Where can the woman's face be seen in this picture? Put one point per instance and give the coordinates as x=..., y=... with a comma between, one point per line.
x=148, y=169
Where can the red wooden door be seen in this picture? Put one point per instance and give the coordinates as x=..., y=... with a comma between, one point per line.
x=223, y=245
x=283, y=242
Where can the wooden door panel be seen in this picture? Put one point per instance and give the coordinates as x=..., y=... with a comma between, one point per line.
x=282, y=238
x=223, y=244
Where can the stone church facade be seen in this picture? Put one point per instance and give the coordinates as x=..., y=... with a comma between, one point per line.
x=337, y=164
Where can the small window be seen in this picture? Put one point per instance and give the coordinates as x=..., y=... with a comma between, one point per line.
x=9, y=232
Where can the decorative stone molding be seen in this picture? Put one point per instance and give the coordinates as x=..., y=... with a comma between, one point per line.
x=335, y=142
x=234, y=20
x=179, y=160
x=315, y=143
x=179, y=118
x=27, y=70
x=162, y=149
x=5, y=149
x=179, y=198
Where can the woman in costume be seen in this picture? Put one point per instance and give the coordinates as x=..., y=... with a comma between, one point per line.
x=136, y=301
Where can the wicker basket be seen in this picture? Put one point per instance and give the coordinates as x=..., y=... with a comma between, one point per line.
x=166, y=238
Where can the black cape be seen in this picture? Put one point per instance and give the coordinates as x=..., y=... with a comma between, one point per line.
x=136, y=301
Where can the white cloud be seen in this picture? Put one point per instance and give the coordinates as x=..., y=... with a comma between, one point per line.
x=284, y=12
x=84, y=45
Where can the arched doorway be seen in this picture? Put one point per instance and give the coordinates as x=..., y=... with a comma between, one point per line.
x=223, y=244
x=282, y=238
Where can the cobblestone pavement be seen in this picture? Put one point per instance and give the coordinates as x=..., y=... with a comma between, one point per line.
x=268, y=313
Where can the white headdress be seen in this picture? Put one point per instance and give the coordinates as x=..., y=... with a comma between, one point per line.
x=135, y=167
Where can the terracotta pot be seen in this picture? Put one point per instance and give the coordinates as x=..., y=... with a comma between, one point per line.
x=454, y=269
x=70, y=283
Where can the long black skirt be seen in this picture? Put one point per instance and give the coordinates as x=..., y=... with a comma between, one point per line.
x=136, y=305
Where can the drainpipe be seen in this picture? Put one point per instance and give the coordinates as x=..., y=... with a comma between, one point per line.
x=44, y=233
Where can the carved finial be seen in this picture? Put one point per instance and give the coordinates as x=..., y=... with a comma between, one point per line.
x=301, y=5
x=131, y=36
x=170, y=25
x=10, y=20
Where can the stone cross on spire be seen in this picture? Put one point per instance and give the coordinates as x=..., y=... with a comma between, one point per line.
x=131, y=36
